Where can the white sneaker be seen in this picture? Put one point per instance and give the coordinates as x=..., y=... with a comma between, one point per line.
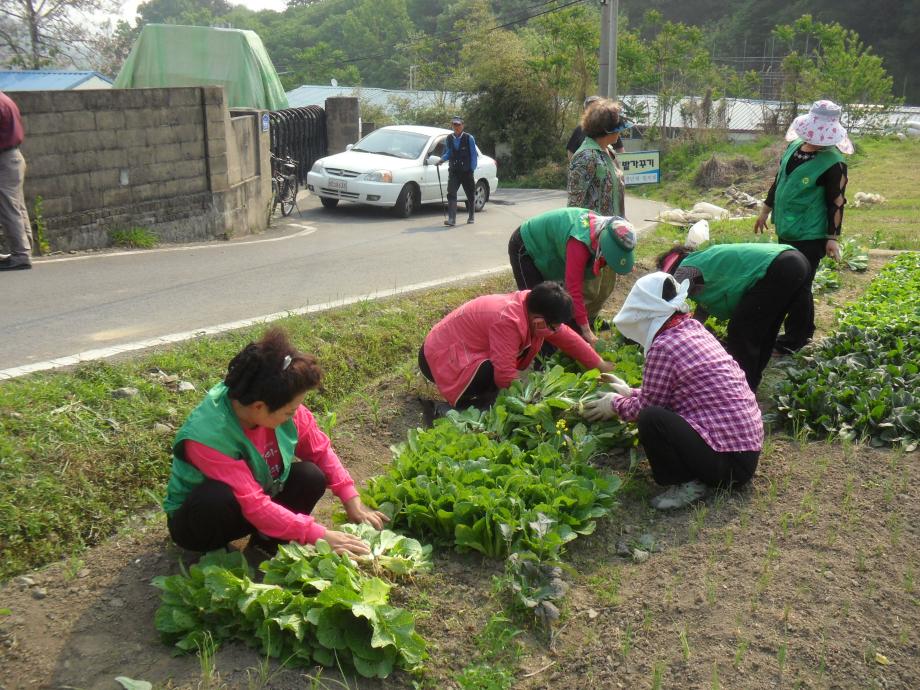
x=680, y=495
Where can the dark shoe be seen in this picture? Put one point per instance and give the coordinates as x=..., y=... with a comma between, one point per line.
x=470, y=220
x=450, y=222
x=432, y=410
x=12, y=263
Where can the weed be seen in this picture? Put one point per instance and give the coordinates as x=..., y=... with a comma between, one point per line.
x=861, y=566
x=909, y=580
x=72, y=566
x=373, y=404
x=711, y=590
x=39, y=226
x=740, y=650
x=626, y=642
x=658, y=675
x=895, y=528
x=606, y=585
x=207, y=648
x=729, y=538
x=136, y=238
x=499, y=652
x=684, y=644
x=698, y=520
x=714, y=683
x=781, y=658
x=646, y=617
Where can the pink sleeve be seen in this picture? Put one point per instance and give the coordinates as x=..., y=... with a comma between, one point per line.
x=577, y=256
x=575, y=347
x=314, y=446
x=270, y=518
x=503, y=353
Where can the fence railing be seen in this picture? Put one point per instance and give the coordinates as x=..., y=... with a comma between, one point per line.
x=299, y=133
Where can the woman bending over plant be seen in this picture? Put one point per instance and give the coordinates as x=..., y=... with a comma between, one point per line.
x=698, y=419
x=251, y=460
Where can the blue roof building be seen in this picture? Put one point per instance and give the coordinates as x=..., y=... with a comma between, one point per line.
x=52, y=80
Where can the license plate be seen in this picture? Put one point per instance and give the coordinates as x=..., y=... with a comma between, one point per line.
x=338, y=184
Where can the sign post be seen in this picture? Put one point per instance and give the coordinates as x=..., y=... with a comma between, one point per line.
x=640, y=167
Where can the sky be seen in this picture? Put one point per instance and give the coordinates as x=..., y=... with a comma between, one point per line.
x=129, y=8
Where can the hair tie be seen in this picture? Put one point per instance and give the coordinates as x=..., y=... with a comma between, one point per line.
x=287, y=362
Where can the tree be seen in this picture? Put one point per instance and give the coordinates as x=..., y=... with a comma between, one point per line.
x=39, y=33
x=828, y=61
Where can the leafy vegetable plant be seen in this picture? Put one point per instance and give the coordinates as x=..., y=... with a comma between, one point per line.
x=313, y=607
x=863, y=380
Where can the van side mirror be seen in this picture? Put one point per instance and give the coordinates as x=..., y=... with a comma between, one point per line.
x=433, y=160
x=349, y=147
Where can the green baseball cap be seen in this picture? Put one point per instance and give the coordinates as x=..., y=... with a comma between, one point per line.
x=617, y=241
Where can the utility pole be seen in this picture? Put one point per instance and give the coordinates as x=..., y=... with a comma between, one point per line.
x=607, y=58
x=603, y=58
x=612, y=46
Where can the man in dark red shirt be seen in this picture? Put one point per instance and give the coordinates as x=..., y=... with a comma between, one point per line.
x=14, y=217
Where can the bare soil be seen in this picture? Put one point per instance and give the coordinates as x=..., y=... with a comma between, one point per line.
x=807, y=578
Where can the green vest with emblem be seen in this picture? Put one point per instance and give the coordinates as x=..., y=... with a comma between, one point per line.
x=729, y=271
x=800, y=208
x=214, y=424
x=546, y=235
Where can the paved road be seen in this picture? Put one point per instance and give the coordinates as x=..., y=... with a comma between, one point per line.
x=77, y=303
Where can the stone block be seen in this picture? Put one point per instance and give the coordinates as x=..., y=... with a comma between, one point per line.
x=108, y=158
x=184, y=96
x=118, y=197
x=168, y=153
x=160, y=136
x=87, y=200
x=148, y=192
x=188, y=115
x=43, y=123
x=189, y=132
x=57, y=206
x=216, y=148
x=47, y=166
x=104, y=179
x=218, y=165
x=193, y=149
x=142, y=118
x=219, y=182
x=110, y=119
x=213, y=95
x=126, y=138
x=139, y=156
x=32, y=102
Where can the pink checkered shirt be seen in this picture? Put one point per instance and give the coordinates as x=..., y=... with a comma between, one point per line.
x=688, y=372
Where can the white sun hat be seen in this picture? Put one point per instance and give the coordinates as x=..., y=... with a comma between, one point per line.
x=821, y=127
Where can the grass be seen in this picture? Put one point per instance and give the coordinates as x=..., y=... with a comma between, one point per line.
x=136, y=238
x=80, y=462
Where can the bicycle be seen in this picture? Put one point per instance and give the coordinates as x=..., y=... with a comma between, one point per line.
x=285, y=184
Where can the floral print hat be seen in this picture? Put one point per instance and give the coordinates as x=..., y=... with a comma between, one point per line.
x=821, y=127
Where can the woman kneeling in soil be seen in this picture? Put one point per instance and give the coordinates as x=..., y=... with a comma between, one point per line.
x=698, y=420
x=250, y=459
x=485, y=344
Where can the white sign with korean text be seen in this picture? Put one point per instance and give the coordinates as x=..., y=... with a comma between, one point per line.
x=640, y=167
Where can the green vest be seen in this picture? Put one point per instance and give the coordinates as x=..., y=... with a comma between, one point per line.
x=214, y=424
x=800, y=209
x=546, y=235
x=729, y=271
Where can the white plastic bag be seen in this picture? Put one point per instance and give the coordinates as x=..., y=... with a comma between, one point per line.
x=699, y=233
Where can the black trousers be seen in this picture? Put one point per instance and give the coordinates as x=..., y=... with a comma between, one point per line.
x=526, y=274
x=455, y=180
x=756, y=321
x=800, y=323
x=481, y=390
x=210, y=517
x=678, y=454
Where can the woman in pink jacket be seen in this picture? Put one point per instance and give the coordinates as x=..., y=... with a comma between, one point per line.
x=483, y=345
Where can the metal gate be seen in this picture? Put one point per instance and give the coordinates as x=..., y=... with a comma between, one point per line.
x=299, y=133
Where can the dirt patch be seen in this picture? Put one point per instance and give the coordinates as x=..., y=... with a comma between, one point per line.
x=806, y=578
x=722, y=171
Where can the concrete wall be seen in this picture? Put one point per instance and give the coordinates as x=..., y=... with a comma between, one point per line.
x=172, y=161
x=342, y=123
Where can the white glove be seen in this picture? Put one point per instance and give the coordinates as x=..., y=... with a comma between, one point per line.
x=618, y=384
x=600, y=408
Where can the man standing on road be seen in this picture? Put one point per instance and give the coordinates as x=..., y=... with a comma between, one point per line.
x=13, y=214
x=460, y=150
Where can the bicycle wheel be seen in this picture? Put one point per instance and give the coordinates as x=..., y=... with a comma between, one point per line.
x=275, y=199
x=289, y=194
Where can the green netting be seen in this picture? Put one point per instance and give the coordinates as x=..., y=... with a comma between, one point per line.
x=167, y=55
